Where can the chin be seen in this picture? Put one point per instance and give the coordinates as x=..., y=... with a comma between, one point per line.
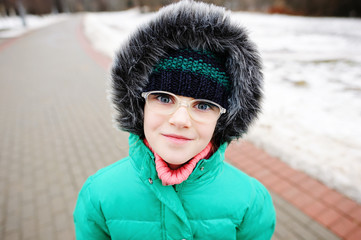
x=176, y=161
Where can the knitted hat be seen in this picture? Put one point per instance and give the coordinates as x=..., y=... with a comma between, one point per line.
x=197, y=26
x=190, y=73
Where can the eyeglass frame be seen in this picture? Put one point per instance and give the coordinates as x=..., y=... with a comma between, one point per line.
x=222, y=110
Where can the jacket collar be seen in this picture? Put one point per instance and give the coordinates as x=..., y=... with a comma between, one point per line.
x=143, y=161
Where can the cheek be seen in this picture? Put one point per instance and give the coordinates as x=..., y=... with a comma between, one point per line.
x=148, y=121
x=151, y=121
x=206, y=131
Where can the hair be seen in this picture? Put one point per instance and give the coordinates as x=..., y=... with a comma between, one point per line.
x=197, y=26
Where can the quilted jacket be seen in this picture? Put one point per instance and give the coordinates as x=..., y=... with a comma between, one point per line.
x=127, y=200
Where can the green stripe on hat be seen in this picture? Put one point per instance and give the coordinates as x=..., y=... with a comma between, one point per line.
x=195, y=66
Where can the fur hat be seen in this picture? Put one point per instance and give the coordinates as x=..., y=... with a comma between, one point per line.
x=189, y=25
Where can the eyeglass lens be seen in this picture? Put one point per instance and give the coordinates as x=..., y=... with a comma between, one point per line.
x=167, y=103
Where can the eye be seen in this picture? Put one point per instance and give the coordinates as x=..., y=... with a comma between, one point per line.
x=204, y=106
x=164, y=98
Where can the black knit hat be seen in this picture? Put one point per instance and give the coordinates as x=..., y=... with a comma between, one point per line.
x=191, y=73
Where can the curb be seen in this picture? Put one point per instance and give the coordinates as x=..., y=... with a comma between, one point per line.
x=101, y=59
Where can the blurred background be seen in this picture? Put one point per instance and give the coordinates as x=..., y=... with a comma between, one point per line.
x=343, y=8
x=55, y=120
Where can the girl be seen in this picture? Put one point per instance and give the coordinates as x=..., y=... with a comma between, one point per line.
x=184, y=85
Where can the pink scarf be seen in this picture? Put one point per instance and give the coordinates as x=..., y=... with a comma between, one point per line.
x=172, y=177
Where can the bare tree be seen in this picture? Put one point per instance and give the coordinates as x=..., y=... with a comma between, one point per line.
x=22, y=11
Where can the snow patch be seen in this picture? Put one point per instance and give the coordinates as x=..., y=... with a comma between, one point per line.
x=11, y=27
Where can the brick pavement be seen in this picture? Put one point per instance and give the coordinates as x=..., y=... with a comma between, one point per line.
x=334, y=211
x=56, y=130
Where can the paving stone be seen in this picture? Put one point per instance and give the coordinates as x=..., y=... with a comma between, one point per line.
x=47, y=232
x=343, y=227
x=283, y=232
x=314, y=209
x=28, y=229
x=356, y=235
x=66, y=234
x=61, y=222
x=44, y=216
x=323, y=233
x=347, y=206
x=13, y=235
x=356, y=214
x=57, y=204
x=328, y=217
x=28, y=211
x=332, y=197
x=12, y=223
x=293, y=224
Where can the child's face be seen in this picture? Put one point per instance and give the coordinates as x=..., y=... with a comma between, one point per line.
x=176, y=138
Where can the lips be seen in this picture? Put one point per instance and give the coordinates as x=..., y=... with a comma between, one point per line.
x=177, y=138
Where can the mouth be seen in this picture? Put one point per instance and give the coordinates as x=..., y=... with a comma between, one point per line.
x=177, y=138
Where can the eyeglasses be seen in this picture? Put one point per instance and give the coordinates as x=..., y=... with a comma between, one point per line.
x=200, y=110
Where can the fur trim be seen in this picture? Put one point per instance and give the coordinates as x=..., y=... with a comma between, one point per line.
x=198, y=26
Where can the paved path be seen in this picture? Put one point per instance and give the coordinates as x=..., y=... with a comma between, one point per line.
x=55, y=128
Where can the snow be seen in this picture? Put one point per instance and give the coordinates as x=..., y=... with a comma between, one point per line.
x=311, y=115
x=107, y=31
x=12, y=26
x=312, y=107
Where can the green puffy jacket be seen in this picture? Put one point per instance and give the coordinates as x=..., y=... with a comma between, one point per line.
x=126, y=200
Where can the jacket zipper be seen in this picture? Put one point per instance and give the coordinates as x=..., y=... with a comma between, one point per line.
x=178, y=187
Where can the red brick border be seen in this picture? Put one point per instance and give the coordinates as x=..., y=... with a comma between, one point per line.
x=328, y=207
x=10, y=41
x=7, y=43
x=100, y=58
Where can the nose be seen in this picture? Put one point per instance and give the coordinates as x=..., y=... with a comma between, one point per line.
x=180, y=117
